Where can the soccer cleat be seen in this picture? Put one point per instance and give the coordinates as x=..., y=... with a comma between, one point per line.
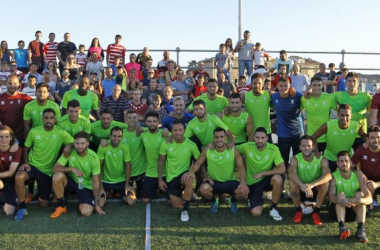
x=21, y=214
x=29, y=198
x=316, y=218
x=234, y=208
x=275, y=214
x=361, y=236
x=58, y=212
x=214, y=206
x=298, y=217
x=184, y=216
x=344, y=232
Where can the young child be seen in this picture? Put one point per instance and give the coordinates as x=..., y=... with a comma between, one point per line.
x=267, y=85
x=4, y=73
x=331, y=79
x=81, y=58
x=31, y=89
x=121, y=77
x=259, y=55
x=242, y=86
x=199, y=88
x=21, y=57
x=161, y=79
x=138, y=106
x=62, y=86
x=220, y=92
x=116, y=64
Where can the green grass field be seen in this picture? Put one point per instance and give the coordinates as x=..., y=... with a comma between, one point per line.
x=124, y=228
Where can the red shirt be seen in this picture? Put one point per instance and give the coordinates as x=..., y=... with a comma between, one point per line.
x=198, y=90
x=375, y=104
x=115, y=50
x=369, y=162
x=241, y=90
x=140, y=109
x=204, y=73
x=37, y=51
x=274, y=82
x=50, y=49
x=6, y=159
x=11, y=112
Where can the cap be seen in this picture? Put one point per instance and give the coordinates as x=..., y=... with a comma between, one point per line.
x=45, y=71
x=342, y=64
x=93, y=73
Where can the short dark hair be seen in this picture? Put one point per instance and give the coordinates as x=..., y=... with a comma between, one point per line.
x=262, y=130
x=52, y=33
x=199, y=102
x=344, y=106
x=48, y=110
x=342, y=153
x=21, y=41
x=257, y=75
x=116, y=128
x=352, y=74
x=151, y=113
x=331, y=65
x=307, y=138
x=212, y=80
x=178, y=122
x=38, y=31
x=220, y=129
x=131, y=111
x=74, y=103
x=316, y=78
x=373, y=128
x=283, y=79
x=283, y=52
x=42, y=85
x=82, y=134
x=107, y=111
x=32, y=77
x=247, y=31
x=235, y=96
x=118, y=36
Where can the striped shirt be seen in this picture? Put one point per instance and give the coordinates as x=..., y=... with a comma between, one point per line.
x=115, y=50
x=50, y=50
x=118, y=107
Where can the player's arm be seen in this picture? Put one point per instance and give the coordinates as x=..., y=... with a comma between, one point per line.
x=27, y=125
x=198, y=163
x=318, y=133
x=25, y=155
x=372, y=117
x=367, y=197
x=249, y=128
x=279, y=169
x=12, y=170
x=127, y=175
x=60, y=58
x=231, y=136
x=220, y=114
x=240, y=164
x=361, y=133
x=61, y=168
x=160, y=169
x=96, y=191
x=292, y=172
x=332, y=191
x=326, y=174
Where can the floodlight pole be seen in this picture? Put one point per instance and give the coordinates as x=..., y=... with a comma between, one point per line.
x=240, y=3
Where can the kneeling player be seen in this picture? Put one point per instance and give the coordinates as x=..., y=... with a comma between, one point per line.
x=260, y=158
x=115, y=161
x=178, y=158
x=83, y=178
x=221, y=165
x=311, y=175
x=349, y=197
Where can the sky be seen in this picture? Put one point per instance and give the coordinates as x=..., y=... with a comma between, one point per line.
x=295, y=25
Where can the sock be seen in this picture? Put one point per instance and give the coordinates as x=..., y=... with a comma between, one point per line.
x=360, y=225
x=62, y=202
x=186, y=205
x=233, y=198
x=22, y=204
x=298, y=209
x=273, y=206
x=316, y=210
x=341, y=224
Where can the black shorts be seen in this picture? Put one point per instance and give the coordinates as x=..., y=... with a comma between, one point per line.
x=285, y=144
x=44, y=182
x=117, y=187
x=333, y=166
x=313, y=199
x=8, y=193
x=256, y=190
x=322, y=146
x=225, y=187
x=350, y=213
x=175, y=186
x=139, y=179
x=150, y=187
x=85, y=195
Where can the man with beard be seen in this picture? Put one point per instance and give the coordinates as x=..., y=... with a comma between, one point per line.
x=214, y=102
x=238, y=122
x=309, y=179
x=40, y=153
x=264, y=169
x=177, y=115
x=368, y=160
x=178, y=156
x=318, y=106
x=340, y=135
x=152, y=140
x=219, y=179
x=34, y=109
x=200, y=71
x=163, y=63
x=12, y=105
x=73, y=122
x=83, y=178
x=89, y=101
x=348, y=196
x=283, y=60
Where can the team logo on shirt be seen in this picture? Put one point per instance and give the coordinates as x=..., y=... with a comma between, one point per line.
x=2, y=102
x=197, y=129
x=343, y=134
x=335, y=133
x=324, y=102
x=365, y=157
x=11, y=102
x=212, y=155
x=170, y=149
x=228, y=156
x=108, y=152
x=34, y=112
x=276, y=101
x=292, y=102
x=38, y=137
x=353, y=184
x=339, y=182
x=352, y=131
x=10, y=158
x=250, y=154
x=54, y=136
x=372, y=160
x=301, y=165
x=73, y=158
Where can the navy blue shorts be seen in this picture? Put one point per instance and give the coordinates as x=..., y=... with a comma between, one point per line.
x=175, y=187
x=44, y=182
x=85, y=195
x=139, y=179
x=117, y=187
x=256, y=190
x=350, y=213
x=150, y=187
x=8, y=193
x=226, y=187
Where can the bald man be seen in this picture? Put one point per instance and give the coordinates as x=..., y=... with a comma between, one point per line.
x=117, y=103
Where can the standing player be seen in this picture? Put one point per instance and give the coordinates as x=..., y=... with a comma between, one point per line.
x=219, y=178
x=73, y=122
x=349, y=197
x=115, y=162
x=309, y=179
x=40, y=153
x=83, y=179
x=261, y=176
x=178, y=158
x=178, y=114
x=8, y=165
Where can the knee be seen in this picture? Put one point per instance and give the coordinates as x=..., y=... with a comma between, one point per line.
x=146, y=200
x=20, y=177
x=176, y=206
x=276, y=180
x=130, y=201
x=256, y=211
x=293, y=186
x=324, y=187
x=1, y=185
x=86, y=211
x=57, y=177
x=205, y=188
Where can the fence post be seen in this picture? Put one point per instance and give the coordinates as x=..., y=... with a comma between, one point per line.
x=343, y=52
x=178, y=50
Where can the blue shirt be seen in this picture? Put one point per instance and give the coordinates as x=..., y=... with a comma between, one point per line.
x=341, y=84
x=108, y=86
x=287, y=110
x=168, y=120
x=168, y=105
x=21, y=58
x=114, y=70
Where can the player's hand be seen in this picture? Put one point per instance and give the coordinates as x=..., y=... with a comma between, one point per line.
x=66, y=151
x=188, y=175
x=243, y=189
x=77, y=172
x=162, y=185
x=24, y=167
x=103, y=143
x=165, y=132
x=169, y=139
x=306, y=94
x=257, y=176
x=129, y=188
x=14, y=147
x=211, y=146
x=365, y=145
x=230, y=145
x=211, y=181
x=99, y=210
x=372, y=185
x=292, y=92
x=172, y=114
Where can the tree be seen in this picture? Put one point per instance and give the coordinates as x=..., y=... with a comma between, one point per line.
x=192, y=64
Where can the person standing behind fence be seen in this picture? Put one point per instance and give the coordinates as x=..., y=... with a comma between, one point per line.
x=35, y=52
x=245, y=48
x=20, y=55
x=115, y=49
x=50, y=50
x=222, y=62
x=64, y=49
x=95, y=47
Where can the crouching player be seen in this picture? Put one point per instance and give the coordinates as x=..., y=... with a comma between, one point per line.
x=349, y=196
x=115, y=161
x=309, y=179
x=83, y=179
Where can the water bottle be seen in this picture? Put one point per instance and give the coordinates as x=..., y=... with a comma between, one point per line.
x=80, y=182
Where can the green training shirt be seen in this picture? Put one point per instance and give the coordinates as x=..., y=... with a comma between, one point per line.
x=221, y=165
x=34, y=112
x=349, y=187
x=258, y=107
x=99, y=133
x=309, y=171
x=213, y=106
x=136, y=147
x=87, y=103
x=152, y=144
x=83, y=124
x=237, y=125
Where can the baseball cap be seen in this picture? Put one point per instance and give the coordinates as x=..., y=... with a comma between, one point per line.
x=93, y=72
x=45, y=71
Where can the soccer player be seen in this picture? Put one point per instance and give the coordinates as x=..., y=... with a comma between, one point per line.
x=309, y=179
x=261, y=176
x=73, y=122
x=8, y=165
x=178, y=114
x=115, y=162
x=83, y=179
x=178, y=158
x=238, y=122
x=219, y=178
x=348, y=196
x=152, y=140
x=340, y=135
x=368, y=160
x=318, y=106
x=40, y=153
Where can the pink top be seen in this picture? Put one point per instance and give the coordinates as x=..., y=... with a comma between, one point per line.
x=130, y=66
x=98, y=50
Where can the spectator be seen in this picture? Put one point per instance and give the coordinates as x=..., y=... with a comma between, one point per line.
x=227, y=86
x=115, y=49
x=62, y=86
x=199, y=88
x=35, y=52
x=222, y=62
x=164, y=62
x=118, y=104
x=281, y=73
x=65, y=49
x=5, y=53
x=243, y=87
x=156, y=106
x=55, y=76
x=299, y=82
x=138, y=106
x=14, y=71
x=179, y=86
x=143, y=57
x=245, y=48
x=327, y=86
x=52, y=85
x=170, y=73
x=133, y=65
x=147, y=96
x=73, y=67
x=30, y=90
x=81, y=58
x=21, y=57
x=259, y=56
x=95, y=47
x=115, y=66
x=108, y=83
x=148, y=66
x=167, y=102
x=200, y=70
x=33, y=71
x=283, y=60
x=341, y=81
x=50, y=50
x=95, y=66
